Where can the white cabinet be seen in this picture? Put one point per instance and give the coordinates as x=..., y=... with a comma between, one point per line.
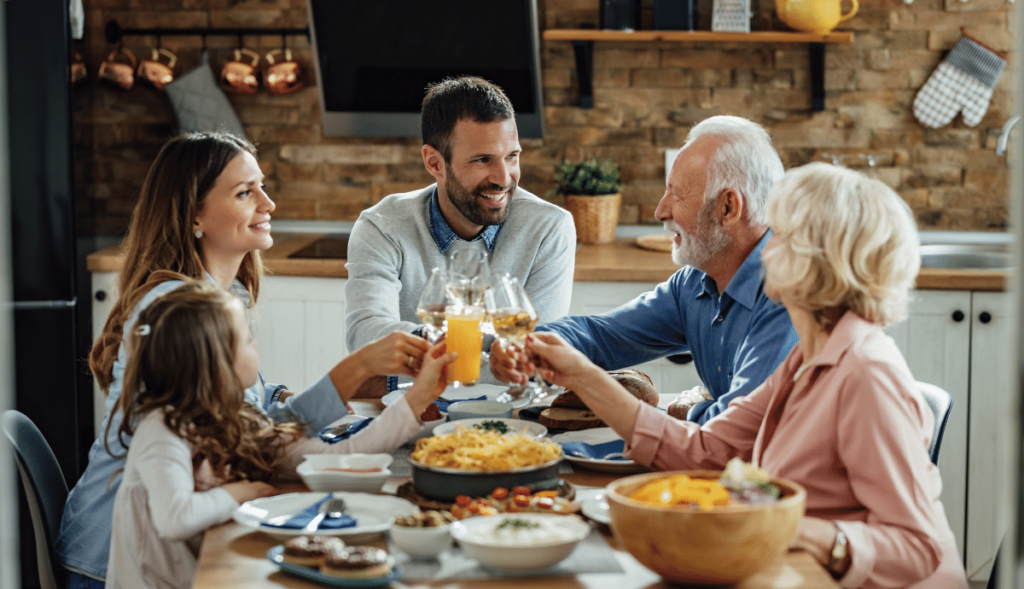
x=592, y=298
x=958, y=341
x=300, y=326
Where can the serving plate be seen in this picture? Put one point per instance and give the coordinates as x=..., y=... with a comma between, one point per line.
x=598, y=435
x=274, y=556
x=372, y=513
x=515, y=426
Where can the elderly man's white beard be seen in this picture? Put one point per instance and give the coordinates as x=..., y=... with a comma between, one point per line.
x=699, y=249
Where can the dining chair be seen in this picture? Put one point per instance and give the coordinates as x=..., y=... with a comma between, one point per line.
x=941, y=403
x=45, y=490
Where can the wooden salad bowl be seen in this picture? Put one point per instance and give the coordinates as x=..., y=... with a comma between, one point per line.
x=686, y=545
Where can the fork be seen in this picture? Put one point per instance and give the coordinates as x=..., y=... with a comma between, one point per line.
x=334, y=507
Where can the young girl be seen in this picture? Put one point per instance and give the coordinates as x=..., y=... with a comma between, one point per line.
x=198, y=449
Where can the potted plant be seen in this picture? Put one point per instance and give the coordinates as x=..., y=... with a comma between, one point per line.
x=592, y=194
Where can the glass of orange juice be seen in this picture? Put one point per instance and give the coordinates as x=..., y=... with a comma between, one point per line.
x=465, y=338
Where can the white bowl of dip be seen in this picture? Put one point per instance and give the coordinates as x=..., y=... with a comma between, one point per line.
x=520, y=541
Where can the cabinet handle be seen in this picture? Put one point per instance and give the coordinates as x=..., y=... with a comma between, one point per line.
x=984, y=317
x=101, y=295
x=958, y=315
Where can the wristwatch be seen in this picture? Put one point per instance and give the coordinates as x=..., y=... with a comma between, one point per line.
x=838, y=562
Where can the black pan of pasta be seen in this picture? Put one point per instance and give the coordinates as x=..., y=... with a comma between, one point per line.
x=474, y=463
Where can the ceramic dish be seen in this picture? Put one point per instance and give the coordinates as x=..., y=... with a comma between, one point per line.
x=597, y=436
x=597, y=510
x=372, y=513
x=552, y=541
x=515, y=426
x=274, y=555
x=317, y=474
x=445, y=484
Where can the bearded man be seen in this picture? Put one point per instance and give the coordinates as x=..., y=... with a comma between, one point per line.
x=715, y=307
x=471, y=147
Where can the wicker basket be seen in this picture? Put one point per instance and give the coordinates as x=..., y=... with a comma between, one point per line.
x=595, y=216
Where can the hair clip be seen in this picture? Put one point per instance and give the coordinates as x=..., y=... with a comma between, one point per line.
x=143, y=329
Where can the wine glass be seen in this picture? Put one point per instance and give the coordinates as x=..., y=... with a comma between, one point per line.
x=515, y=322
x=468, y=276
x=432, y=303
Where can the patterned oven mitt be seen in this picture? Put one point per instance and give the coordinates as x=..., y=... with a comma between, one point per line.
x=963, y=80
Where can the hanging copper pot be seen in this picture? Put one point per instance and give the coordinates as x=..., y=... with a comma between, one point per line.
x=119, y=69
x=79, y=75
x=238, y=76
x=282, y=77
x=156, y=73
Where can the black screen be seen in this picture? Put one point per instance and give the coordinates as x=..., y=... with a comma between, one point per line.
x=380, y=55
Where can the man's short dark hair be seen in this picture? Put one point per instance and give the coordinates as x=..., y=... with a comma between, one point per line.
x=453, y=99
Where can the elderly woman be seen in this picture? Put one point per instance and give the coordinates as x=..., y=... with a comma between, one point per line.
x=841, y=415
x=203, y=214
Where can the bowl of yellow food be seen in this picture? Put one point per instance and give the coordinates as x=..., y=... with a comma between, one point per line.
x=688, y=528
x=474, y=463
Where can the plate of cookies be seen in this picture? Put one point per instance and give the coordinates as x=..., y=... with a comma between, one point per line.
x=331, y=561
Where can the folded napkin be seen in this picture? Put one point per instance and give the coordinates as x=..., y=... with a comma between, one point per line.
x=443, y=406
x=595, y=451
x=356, y=427
x=301, y=519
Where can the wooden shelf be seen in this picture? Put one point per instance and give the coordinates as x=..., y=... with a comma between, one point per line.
x=697, y=36
x=583, y=47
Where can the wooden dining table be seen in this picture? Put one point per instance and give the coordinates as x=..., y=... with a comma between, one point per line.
x=235, y=557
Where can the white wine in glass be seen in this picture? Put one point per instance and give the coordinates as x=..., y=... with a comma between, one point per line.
x=431, y=307
x=512, y=324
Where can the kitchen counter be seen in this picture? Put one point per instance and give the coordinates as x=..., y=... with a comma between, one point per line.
x=620, y=261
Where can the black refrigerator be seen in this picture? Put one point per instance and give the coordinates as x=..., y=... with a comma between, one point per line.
x=50, y=287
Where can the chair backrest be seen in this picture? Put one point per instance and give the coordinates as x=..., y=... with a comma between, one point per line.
x=941, y=403
x=45, y=490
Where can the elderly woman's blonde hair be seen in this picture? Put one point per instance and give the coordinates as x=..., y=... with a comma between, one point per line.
x=845, y=241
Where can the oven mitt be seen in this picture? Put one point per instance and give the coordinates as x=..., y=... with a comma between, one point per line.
x=200, y=105
x=301, y=519
x=964, y=80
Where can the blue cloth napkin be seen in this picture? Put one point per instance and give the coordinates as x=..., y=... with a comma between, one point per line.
x=356, y=427
x=301, y=519
x=443, y=406
x=596, y=451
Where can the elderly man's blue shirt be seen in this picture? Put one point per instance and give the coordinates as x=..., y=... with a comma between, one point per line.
x=737, y=338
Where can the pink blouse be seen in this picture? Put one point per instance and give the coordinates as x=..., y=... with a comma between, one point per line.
x=856, y=437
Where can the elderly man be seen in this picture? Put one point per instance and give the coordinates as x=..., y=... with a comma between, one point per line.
x=471, y=147
x=715, y=307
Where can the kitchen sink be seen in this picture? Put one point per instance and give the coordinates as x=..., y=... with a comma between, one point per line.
x=332, y=246
x=966, y=256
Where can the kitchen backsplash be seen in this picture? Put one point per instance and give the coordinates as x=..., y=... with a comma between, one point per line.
x=646, y=95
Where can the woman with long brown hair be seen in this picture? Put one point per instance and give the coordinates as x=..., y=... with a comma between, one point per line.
x=203, y=214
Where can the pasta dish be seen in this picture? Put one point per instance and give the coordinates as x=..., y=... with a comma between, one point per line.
x=484, y=451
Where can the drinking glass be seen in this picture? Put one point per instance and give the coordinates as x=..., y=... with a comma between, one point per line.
x=431, y=307
x=465, y=337
x=468, y=276
x=510, y=323
x=515, y=323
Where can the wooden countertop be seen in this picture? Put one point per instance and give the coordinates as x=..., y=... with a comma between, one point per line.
x=621, y=261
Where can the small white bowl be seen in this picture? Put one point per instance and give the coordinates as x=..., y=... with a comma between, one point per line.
x=476, y=409
x=333, y=472
x=421, y=542
x=475, y=536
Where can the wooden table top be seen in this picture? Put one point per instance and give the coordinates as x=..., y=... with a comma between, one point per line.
x=620, y=261
x=234, y=557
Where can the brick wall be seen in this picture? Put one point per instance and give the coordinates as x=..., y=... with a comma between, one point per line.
x=646, y=98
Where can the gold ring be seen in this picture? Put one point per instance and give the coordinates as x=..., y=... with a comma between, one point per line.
x=411, y=361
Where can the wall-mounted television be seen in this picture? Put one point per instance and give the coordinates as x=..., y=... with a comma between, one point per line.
x=375, y=58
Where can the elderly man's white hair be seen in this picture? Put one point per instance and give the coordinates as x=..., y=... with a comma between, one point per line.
x=745, y=161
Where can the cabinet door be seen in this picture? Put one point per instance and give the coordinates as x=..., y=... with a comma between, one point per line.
x=989, y=422
x=300, y=325
x=103, y=299
x=935, y=340
x=593, y=298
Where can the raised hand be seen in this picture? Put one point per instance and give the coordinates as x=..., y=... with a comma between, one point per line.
x=432, y=378
x=505, y=364
x=395, y=353
x=557, y=361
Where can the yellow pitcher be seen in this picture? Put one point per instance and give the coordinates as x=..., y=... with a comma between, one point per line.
x=813, y=16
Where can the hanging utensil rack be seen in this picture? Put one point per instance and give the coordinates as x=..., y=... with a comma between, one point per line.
x=114, y=32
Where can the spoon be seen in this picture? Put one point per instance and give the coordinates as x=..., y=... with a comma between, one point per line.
x=336, y=431
x=334, y=508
